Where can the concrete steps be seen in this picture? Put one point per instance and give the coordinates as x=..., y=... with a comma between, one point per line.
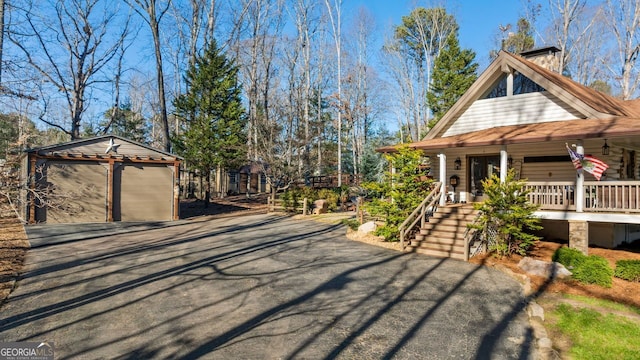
x=443, y=235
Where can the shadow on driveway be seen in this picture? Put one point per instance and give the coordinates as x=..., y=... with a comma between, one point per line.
x=256, y=286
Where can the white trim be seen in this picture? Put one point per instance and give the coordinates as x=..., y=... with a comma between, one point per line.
x=579, y=181
x=593, y=217
x=443, y=179
x=503, y=164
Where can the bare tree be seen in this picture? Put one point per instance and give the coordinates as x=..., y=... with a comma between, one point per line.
x=16, y=191
x=623, y=17
x=152, y=13
x=565, y=14
x=414, y=46
x=263, y=22
x=71, y=50
x=589, y=49
x=336, y=25
x=305, y=27
x=2, y=7
x=356, y=106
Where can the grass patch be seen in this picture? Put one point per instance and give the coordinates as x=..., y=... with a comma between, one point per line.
x=353, y=224
x=607, y=304
x=597, y=336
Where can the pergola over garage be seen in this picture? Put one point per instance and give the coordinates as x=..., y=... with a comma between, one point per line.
x=106, y=178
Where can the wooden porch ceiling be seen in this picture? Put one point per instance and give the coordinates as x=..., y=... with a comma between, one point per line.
x=534, y=133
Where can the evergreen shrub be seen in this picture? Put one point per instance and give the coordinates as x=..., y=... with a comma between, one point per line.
x=594, y=270
x=628, y=270
x=568, y=257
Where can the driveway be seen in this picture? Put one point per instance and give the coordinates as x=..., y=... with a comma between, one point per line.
x=255, y=287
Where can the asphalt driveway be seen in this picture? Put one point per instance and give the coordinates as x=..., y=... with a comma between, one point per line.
x=255, y=287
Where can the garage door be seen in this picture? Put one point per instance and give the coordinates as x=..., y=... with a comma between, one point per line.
x=84, y=188
x=145, y=193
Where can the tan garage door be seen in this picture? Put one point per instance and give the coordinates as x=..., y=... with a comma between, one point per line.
x=83, y=185
x=143, y=193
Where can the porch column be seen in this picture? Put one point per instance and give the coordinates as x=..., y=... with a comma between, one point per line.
x=443, y=179
x=579, y=192
x=579, y=235
x=503, y=164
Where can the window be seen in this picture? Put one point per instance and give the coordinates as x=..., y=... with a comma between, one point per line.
x=521, y=85
x=524, y=85
x=499, y=90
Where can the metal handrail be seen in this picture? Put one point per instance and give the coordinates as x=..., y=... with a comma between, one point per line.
x=420, y=213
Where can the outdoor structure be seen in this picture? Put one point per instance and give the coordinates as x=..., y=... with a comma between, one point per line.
x=106, y=178
x=521, y=114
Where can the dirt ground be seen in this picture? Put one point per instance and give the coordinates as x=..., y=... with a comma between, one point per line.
x=13, y=248
x=622, y=291
x=14, y=245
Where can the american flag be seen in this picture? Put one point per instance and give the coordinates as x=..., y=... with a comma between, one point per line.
x=589, y=163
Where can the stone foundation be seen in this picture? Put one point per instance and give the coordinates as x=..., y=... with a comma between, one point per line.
x=579, y=236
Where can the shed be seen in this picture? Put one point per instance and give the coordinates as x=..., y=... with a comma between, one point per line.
x=103, y=179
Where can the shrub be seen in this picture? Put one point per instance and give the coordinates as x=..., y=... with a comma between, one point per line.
x=292, y=199
x=331, y=197
x=568, y=257
x=628, y=270
x=399, y=193
x=353, y=224
x=594, y=270
x=506, y=216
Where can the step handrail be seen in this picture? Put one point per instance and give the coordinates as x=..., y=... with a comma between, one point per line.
x=421, y=213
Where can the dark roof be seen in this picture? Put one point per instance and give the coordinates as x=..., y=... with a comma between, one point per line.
x=598, y=101
x=539, y=51
x=55, y=148
x=534, y=133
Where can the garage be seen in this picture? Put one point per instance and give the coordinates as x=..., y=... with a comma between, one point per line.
x=102, y=179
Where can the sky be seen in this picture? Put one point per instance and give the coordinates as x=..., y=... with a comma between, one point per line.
x=478, y=19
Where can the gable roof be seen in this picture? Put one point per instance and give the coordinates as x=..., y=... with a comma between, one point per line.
x=588, y=102
x=533, y=133
x=95, y=147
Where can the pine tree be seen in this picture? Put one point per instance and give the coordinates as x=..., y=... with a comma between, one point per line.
x=454, y=70
x=125, y=122
x=215, y=121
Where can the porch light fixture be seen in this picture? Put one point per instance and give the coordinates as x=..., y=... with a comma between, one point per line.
x=457, y=164
x=605, y=148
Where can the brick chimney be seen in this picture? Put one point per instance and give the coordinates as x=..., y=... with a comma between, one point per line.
x=547, y=57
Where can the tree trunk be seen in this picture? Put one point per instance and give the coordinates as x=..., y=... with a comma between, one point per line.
x=207, y=194
x=2, y=6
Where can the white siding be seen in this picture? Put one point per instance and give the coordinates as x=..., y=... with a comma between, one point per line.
x=512, y=110
x=555, y=171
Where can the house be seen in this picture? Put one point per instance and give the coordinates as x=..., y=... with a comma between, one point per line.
x=521, y=114
x=101, y=179
x=248, y=179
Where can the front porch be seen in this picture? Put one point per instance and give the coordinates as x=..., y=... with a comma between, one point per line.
x=610, y=197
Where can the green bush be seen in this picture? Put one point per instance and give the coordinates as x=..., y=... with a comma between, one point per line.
x=506, y=216
x=331, y=197
x=628, y=270
x=568, y=257
x=353, y=224
x=594, y=270
x=399, y=193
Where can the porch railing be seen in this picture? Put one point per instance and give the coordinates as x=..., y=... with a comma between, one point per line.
x=558, y=195
x=618, y=196
x=599, y=196
x=420, y=214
